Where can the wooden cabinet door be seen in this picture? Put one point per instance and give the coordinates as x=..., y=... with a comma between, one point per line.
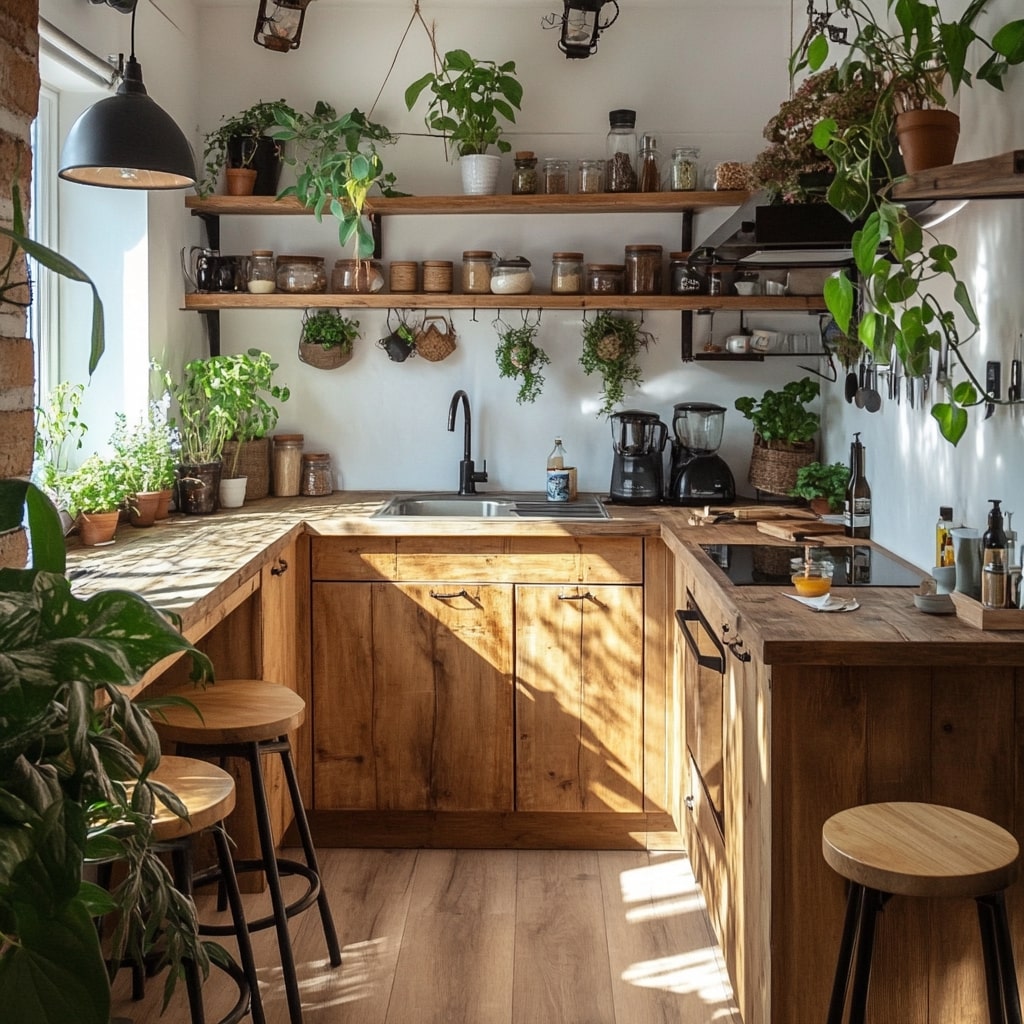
x=579, y=698
x=413, y=688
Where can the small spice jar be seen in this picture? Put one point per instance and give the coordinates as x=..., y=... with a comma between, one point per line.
x=511, y=276
x=262, y=272
x=566, y=273
x=556, y=176
x=643, y=270
x=476, y=271
x=317, y=478
x=524, y=175
x=605, y=278
x=403, y=275
x=301, y=275
x=684, y=277
x=287, y=464
x=590, y=177
x=682, y=175
x=438, y=275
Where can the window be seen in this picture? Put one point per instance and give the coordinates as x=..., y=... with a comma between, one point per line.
x=44, y=317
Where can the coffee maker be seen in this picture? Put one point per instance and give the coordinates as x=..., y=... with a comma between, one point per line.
x=638, y=439
x=699, y=476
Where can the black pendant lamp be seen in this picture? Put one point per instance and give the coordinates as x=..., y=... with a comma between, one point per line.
x=127, y=140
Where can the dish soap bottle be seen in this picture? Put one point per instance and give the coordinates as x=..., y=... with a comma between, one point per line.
x=943, y=538
x=993, y=563
x=857, y=509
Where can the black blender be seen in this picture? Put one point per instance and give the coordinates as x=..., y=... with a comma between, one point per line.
x=699, y=476
x=639, y=440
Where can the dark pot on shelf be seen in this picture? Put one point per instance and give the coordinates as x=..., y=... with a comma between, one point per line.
x=197, y=488
x=266, y=161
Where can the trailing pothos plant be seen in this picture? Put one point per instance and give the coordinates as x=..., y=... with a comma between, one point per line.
x=520, y=357
x=611, y=347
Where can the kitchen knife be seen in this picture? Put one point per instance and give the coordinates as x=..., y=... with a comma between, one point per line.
x=993, y=375
x=1014, y=394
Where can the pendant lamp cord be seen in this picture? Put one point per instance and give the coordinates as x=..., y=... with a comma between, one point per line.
x=135, y=7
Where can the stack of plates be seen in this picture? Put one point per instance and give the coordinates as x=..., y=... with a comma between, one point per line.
x=934, y=604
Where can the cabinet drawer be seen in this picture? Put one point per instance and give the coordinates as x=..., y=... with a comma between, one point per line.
x=488, y=560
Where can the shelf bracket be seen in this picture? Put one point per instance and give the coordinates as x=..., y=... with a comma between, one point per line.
x=212, y=223
x=211, y=317
x=376, y=228
x=686, y=316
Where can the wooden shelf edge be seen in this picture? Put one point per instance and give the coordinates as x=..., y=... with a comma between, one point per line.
x=606, y=202
x=995, y=177
x=654, y=303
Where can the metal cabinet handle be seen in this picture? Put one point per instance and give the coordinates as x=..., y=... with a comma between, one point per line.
x=280, y=569
x=588, y=596
x=449, y=597
x=714, y=662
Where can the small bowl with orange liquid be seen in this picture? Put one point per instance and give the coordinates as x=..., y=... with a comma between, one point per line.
x=812, y=577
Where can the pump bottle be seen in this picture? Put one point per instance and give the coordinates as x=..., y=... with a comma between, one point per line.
x=994, y=576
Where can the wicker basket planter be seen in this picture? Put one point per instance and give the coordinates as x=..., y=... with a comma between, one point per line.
x=773, y=466
x=324, y=358
x=253, y=463
x=433, y=343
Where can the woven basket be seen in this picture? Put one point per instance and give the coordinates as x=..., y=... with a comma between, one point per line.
x=253, y=463
x=324, y=358
x=432, y=342
x=773, y=470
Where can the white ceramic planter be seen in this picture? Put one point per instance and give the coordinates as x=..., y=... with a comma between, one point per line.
x=232, y=492
x=480, y=174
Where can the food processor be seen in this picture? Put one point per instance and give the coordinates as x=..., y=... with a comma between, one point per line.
x=699, y=476
x=638, y=439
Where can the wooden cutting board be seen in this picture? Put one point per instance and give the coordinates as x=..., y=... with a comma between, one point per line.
x=797, y=529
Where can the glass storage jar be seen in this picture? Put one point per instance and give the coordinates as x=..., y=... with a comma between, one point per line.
x=605, y=278
x=643, y=270
x=566, y=273
x=685, y=278
x=511, y=276
x=301, y=275
x=317, y=478
x=649, y=174
x=363, y=276
x=476, y=271
x=683, y=173
x=620, y=151
x=287, y=464
x=524, y=175
x=590, y=177
x=262, y=272
x=556, y=176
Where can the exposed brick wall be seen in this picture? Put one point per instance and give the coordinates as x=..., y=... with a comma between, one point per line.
x=19, y=98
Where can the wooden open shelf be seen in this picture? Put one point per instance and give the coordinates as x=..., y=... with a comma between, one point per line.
x=995, y=177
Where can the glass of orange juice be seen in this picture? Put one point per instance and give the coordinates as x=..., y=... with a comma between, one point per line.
x=812, y=576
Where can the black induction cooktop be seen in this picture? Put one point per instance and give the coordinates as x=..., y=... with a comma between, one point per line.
x=764, y=565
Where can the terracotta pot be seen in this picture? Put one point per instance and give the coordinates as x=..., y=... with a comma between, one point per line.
x=265, y=161
x=240, y=181
x=820, y=506
x=927, y=138
x=142, y=508
x=163, y=505
x=96, y=528
x=198, y=488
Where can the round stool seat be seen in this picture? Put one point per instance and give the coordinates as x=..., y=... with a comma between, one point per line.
x=208, y=792
x=919, y=849
x=233, y=710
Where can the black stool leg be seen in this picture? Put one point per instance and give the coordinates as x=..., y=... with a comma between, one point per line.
x=306, y=838
x=854, y=903
x=873, y=902
x=997, y=948
x=181, y=863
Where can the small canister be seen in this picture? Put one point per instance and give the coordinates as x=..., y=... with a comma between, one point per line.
x=476, y=271
x=317, y=478
x=590, y=177
x=511, y=276
x=643, y=270
x=524, y=176
x=262, y=272
x=403, y=276
x=605, y=278
x=287, y=464
x=566, y=273
x=556, y=176
x=684, y=277
x=437, y=275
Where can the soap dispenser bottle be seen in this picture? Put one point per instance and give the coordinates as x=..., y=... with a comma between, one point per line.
x=993, y=563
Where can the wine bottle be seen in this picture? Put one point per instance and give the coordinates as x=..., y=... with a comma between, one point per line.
x=993, y=562
x=857, y=508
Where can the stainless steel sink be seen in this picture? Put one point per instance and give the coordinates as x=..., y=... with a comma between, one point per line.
x=528, y=505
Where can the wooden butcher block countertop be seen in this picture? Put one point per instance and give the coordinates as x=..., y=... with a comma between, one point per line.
x=193, y=565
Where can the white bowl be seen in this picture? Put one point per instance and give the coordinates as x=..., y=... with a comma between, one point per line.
x=746, y=287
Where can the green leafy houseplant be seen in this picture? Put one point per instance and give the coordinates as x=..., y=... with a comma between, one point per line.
x=144, y=452
x=98, y=485
x=520, y=357
x=821, y=481
x=330, y=329
x=59, y=432
x=782, y=417
x=611, y=347
x=244, y=130
x=468, y=97
x=338, y=165
x=75, y=757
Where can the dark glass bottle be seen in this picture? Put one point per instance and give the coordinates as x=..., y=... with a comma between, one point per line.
x=993, y=562
x=857, y=510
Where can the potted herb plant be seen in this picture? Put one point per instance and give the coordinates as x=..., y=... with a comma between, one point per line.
x=784, y=433
x=95, y=493
x=520, y=357
x=75, y=756
x=327, y=339
x=59, y=432
x=822, y=485
x=611, y=347
x=145, y=454
x=468, y=97
x=240, y=146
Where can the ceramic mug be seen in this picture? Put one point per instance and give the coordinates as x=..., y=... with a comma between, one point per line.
x=558, y=485
x=967, y=557
x=737, y=344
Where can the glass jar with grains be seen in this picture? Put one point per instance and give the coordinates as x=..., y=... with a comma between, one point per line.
x=476, y=271
x=566, y=273
x=604, y=278
x=511, y=276
x=683, y=172
x=524, y=176
x=590, y=177
x=643, y=269
x=620, y=148
x=301, y=275
x=556, y=176
x=262, y=272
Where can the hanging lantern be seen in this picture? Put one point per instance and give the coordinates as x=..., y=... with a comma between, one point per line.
x=279, y=24
x=581, y=25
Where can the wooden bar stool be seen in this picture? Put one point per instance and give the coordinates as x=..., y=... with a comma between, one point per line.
x=918, y=849
x=246, y=718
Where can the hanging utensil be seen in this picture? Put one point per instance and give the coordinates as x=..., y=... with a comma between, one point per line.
x=862, y=390
x=1014, y=394
x=850, y=388
x=993, y=381
x=873, y=400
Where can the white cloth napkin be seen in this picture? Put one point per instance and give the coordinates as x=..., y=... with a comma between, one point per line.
x=826, y=603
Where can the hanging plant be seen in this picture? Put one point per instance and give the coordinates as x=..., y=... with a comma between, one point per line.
x=611, y=347
x=520, y=357
x=327, y=338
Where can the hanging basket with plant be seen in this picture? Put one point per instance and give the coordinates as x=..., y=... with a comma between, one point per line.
x=328, y=338
x=520, y=357
x=611, y=347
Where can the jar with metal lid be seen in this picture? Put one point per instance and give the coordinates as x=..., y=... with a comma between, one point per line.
x=317, y=478
x=566, y=273
x=287, y=464
x=590, y=177
x=556, y=176
x=684, y=277
x=262, y=272
x=643, y=270
x=620, y=146
x=476, y=271
x=438, y=275
x=683, y=172
x=511, y=276
x=301, y=275
x=605, y=278
x=524, y=175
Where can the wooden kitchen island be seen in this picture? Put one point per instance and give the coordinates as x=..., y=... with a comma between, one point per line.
x=818, y=713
